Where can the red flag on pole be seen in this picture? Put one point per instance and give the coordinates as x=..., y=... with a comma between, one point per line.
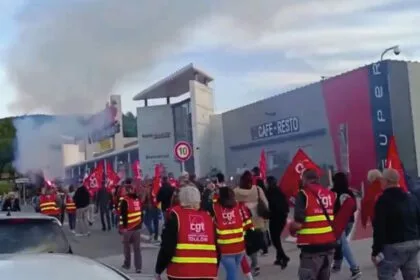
x=112, y=177
x=156, y=181
x=289, y=183
x=136, y=170
x=393, y=161
x=94, y=180
x=263, y=166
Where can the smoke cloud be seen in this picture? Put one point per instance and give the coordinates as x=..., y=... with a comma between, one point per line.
x=69, y=56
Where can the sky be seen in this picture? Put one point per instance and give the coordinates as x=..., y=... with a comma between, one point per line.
x=68, y=56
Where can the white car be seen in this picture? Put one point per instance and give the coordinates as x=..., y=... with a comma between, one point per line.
x=31, y=233
x=55, y=266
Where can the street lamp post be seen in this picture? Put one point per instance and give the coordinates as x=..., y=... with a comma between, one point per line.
x=395, y=48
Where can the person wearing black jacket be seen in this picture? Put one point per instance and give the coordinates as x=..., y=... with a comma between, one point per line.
x=396, y=230
x=11, y=203
x=81, y=199
x=165, y=193
x=168, y=246
x=279, y=210
x=103, y=202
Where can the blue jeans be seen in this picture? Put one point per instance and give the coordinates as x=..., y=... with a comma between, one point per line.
x=231, y=264
x=151, y=221
x=345, y=247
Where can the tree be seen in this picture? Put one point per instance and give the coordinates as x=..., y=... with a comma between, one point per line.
x=129, y=125
x=7, y=136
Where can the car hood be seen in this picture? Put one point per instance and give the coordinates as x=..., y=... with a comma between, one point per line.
x=55, y=266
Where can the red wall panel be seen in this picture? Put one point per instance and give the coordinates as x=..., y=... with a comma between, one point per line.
x=347, y=102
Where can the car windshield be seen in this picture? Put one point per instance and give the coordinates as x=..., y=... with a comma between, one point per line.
x=32, y=236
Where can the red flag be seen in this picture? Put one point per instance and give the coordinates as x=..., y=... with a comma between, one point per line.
x=94, y=180
x=393, y=161
x=112, y=177
x=156, y=181
x=263, y=165
x=289, y=183
x=136, y=170
x=373, y=191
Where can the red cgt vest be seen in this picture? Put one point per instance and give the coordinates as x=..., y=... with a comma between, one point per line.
x=133, y=214
x=316, y=229
x=70, y=205
x=48, y=205
x=195, y=255
x=246, y=217
x=229, y=229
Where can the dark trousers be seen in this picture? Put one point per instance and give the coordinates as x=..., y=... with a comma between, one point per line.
x=151, y=220
x=315, y=266
x=132, y=238
x=276, y=228
x=72, y=220
x=62, y=215
x=105, y=214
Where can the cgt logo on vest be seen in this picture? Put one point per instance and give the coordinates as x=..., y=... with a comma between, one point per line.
x=197, y=229
x=228, y=217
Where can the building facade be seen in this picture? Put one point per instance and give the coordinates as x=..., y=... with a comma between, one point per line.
x=345, y=122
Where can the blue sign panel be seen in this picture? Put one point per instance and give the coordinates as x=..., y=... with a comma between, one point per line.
x=275, y=128
x=380, y=109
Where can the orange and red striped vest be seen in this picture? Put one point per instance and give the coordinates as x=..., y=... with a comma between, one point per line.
x=316, y=229
x=195, y=255
x=229, y=229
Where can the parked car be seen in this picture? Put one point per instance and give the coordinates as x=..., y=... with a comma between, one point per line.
x=22, y=233
x=56, y=266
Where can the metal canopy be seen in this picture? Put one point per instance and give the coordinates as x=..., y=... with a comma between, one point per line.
x=175, y=84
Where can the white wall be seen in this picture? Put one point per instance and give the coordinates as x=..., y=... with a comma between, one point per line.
x=156, y=139
x=414, y=82
x=202, y=107
x=71, y=154
x=217, y=145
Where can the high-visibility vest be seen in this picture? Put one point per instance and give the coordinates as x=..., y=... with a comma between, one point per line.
x=48, y=205
x=119, y=199
x=229, y=229
x=246, y=217
x=133, y=213
x=70, y=205
x=195, y=254
x=316, y=229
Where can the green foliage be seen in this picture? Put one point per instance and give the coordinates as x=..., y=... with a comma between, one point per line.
x=7, y=136
x=5, y=187
x=129, y=125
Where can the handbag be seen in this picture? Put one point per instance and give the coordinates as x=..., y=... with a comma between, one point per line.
x=262, y=208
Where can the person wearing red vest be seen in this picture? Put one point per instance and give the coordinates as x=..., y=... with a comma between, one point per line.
x=230, y=232
x=188, y=249
x=49, y=203
x=70, y=207
x=246, y=223
x=313, y=216
x=130, y=223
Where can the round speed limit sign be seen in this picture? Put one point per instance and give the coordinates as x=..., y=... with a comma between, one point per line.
x=182, y=151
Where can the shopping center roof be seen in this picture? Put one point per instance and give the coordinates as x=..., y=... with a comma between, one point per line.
x=175, y=84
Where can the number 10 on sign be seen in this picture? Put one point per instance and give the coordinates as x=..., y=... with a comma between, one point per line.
x=182, y=152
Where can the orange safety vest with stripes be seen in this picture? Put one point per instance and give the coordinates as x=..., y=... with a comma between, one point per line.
x=133, y=214
x=48, y=205
x=195, y=255
x=229, y=229
x=246, y=217
x=70, y=205
x=316, y=229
